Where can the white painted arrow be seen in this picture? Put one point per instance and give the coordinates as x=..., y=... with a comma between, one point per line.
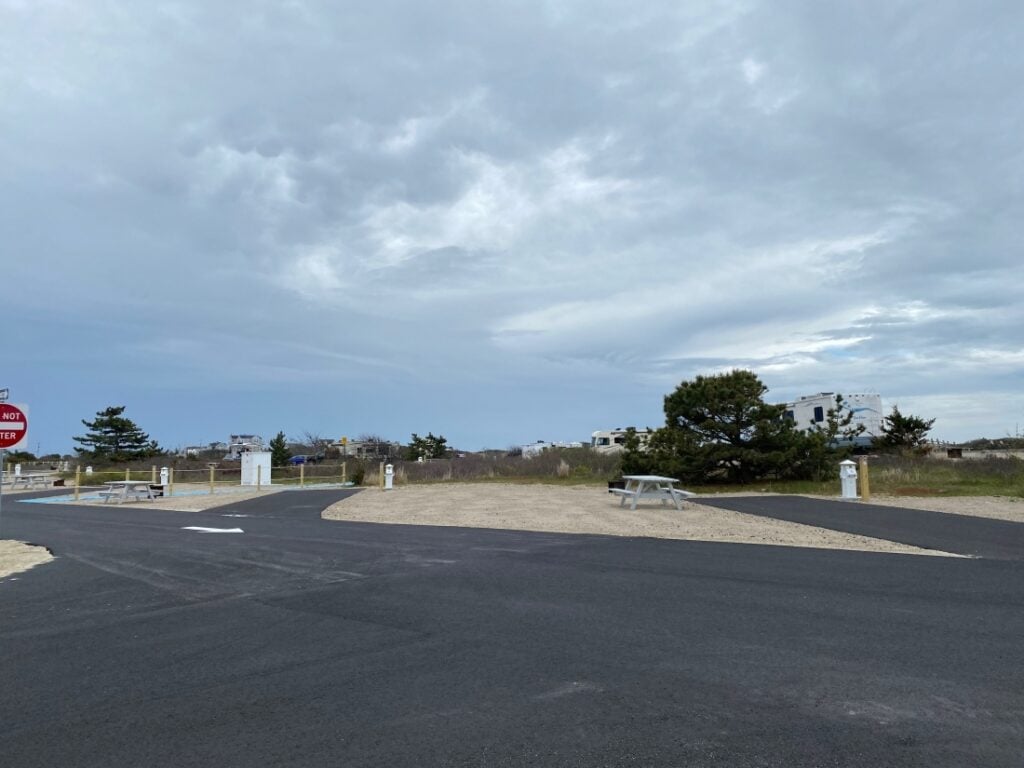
x=212, y=530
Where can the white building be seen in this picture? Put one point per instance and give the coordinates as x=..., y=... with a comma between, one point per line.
x=613, y=440
x=535, y=449
x=367, y=449
x=813, y=409
x=240, y=444
x=196, y=450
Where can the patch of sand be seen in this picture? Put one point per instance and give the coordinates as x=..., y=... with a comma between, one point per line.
x=17, y=556
x=198, y=503
x=586, y=509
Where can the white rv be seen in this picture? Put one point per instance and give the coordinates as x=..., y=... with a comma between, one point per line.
x=536, y=449
x=813, y=409
x=613, y=440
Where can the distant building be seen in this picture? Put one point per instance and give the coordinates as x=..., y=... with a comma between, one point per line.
x=239, y=444
x=613, y=440
x=367, y=449
x=535, y=449
x=808, y=411
x=197, y=450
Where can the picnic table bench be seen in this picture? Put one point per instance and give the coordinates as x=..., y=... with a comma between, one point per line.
x=121, y=490
x=656, y=487
x=32, y=481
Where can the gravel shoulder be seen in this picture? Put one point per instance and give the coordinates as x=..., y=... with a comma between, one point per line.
x=17, y=556
x=586, y=509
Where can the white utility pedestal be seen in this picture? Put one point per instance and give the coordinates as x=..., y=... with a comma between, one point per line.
x=389, y=477
x=848, y=479
x=256, y=468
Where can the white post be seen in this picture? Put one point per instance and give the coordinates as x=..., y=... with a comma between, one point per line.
x=848, y=479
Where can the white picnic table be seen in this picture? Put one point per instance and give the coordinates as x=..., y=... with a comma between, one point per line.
x=41, y=480
x=651, y=487
x=120, y=490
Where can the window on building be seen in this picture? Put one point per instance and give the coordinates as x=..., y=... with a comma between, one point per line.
x=789, y=415
x=819, y=413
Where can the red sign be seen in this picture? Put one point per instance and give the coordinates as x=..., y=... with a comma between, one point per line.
x=13, y=425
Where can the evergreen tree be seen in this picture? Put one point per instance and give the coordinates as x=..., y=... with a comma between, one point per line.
x=724, y=429
x=429, y=447
x=112, y=437
x=279, y=453
x=899, y=431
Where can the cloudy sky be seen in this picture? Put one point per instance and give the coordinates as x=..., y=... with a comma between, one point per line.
x=505, y=221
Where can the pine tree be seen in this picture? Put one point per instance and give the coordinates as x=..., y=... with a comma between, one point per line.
x=899, y=431
x=720, y=427
x=112, y=437
x=430, y=447
x=279, y=453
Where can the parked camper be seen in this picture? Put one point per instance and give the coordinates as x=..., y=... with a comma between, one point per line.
x=614, y=440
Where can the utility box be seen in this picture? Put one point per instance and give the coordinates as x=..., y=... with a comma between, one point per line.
x=389, y=477
x=256, y=468
x=848, y=479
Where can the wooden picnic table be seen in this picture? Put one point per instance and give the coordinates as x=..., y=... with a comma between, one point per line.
x=120, y=490
x=651, y=487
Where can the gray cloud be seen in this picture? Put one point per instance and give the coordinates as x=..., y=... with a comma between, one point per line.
x=564, y=207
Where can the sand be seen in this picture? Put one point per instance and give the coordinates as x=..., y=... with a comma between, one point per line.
x=17, y=556
x=587, y=509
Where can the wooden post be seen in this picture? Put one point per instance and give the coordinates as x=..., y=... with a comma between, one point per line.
x=78, y=480
x=862, y=477
x=211, y=481
x=127, y=474
x=152, y=475
x=382, y=475
x=344, y=472
x=170, y=482
x=302, y=475
x=259, y=476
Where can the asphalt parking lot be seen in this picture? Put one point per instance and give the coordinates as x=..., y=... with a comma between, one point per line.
x=960, y=534
x=302, y=642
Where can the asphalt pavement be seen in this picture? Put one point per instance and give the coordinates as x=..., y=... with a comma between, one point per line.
x=303, y=642
x=960, y=534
